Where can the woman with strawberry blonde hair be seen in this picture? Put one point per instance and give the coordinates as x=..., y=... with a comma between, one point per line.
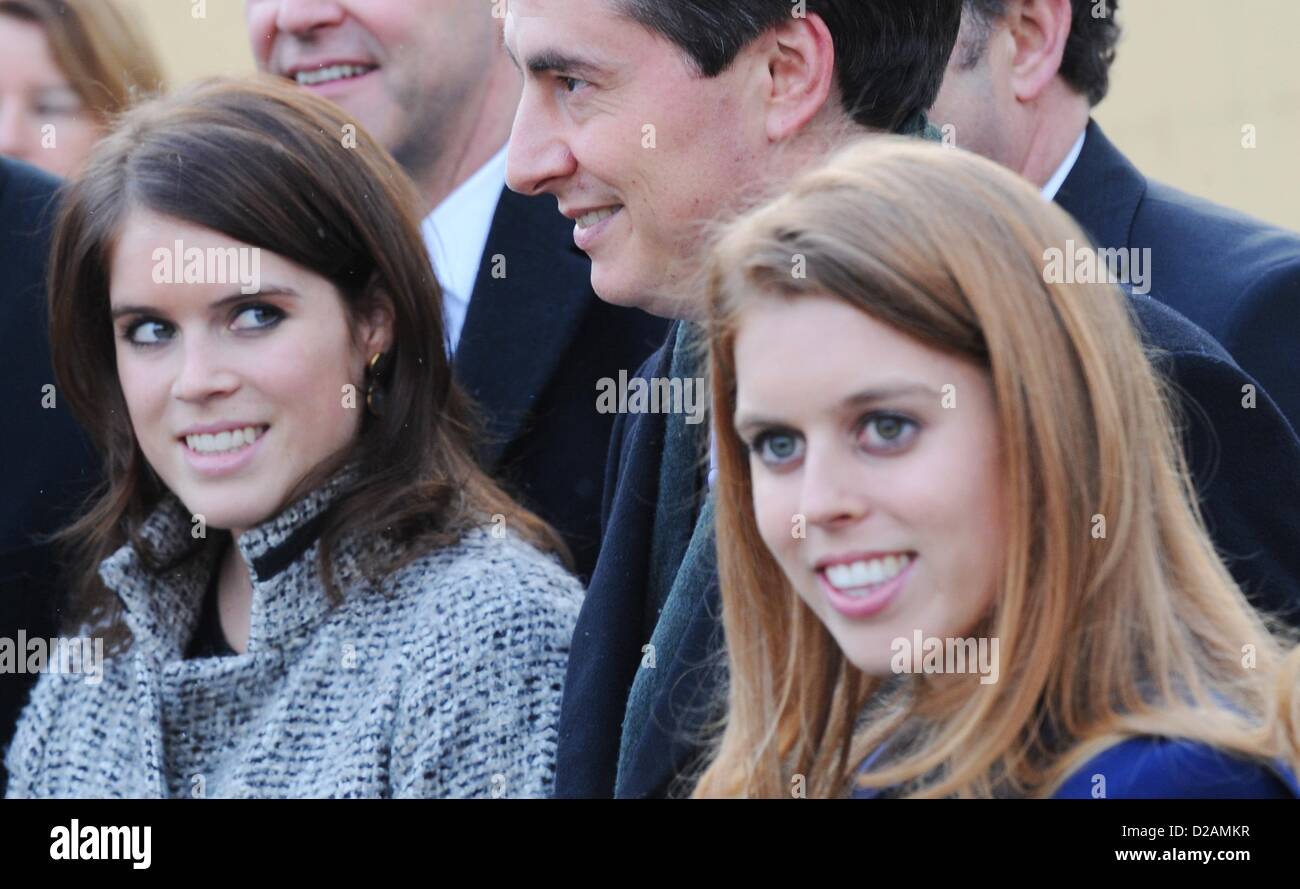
x=925, y=447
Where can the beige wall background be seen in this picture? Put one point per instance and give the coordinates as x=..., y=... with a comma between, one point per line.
x=196, y=39
x=1190, y=75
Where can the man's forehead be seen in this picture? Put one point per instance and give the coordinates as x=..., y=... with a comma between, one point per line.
x=537, y=32
x=549, y=9
x=562, y=16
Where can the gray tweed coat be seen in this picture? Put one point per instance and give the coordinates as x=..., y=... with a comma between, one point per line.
x=444, y=683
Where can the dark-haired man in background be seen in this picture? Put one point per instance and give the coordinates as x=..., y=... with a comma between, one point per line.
x=648, y=120
x=1020, y=90
x=529, y=339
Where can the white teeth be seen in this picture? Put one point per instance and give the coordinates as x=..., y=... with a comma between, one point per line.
x=231, y=440
x=852, y=578
x=333, y=72
x=587, y=220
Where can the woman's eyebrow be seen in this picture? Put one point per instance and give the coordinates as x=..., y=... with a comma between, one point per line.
x=119, y=311
x=744, y=421
x=887, y=392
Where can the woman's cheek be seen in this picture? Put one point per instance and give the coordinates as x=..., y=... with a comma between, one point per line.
x=775, y=515
x=140, y=391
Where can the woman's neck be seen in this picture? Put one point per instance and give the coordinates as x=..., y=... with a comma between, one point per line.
x=234, y=597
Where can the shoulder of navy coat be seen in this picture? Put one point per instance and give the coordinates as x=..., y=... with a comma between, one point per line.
x=50, y=466
x=1245, y=462
x=1235, y=276
x=536, y=342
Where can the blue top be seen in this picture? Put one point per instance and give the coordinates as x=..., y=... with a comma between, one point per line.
x=1163, y=768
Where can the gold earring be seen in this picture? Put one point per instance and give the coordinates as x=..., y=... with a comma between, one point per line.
x=374, y=395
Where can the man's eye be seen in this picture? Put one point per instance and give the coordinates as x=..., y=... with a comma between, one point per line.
x=777, y=448
x=148, y=333
x=257, y=317
x=571, y=84
x=887, y=432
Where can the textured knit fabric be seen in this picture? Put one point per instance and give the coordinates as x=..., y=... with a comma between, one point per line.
x=443, y=682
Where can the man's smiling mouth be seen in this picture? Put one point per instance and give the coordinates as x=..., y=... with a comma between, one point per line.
x=331, y=74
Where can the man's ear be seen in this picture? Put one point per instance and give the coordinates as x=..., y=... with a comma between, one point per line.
x=800, y=56
x=1040, y=28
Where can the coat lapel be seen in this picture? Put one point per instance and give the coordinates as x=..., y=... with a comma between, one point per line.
x=533, y=288
x=1103, y=190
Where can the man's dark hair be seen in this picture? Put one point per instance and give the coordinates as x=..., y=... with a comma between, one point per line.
x=1089, y=53
x=890, y=55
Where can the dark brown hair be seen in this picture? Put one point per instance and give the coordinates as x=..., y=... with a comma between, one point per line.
x=1089, y=51
x=268, y=164
x=102, y=50
x=890, y=55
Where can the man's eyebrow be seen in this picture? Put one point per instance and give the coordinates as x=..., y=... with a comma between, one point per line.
x=554, y=61
x=120, y=311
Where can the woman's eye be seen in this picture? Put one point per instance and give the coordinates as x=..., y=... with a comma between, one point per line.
x=57, y=102
x=148, y=333
x=777, y=448
x=257, y=317
x=887, y=432
x=56, y=109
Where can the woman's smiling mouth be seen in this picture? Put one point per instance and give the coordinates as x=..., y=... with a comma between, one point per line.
x=862, y=586
x=223, y=452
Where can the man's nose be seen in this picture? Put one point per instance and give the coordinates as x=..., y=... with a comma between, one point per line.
x=539, y=157
x=305, y=16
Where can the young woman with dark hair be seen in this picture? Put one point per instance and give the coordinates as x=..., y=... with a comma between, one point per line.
x=306, y=585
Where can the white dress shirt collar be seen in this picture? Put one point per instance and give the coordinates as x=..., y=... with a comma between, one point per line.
x=456, y=233
x=1063, y=171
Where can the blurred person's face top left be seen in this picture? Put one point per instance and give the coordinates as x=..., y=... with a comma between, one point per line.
x=234, y=397
x=412, y=72
x=43, y=121
x=878, y=500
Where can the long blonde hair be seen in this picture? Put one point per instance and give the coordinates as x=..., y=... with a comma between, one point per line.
x=1141, y=632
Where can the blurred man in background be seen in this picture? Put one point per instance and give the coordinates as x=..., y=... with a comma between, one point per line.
x=1020, y=89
